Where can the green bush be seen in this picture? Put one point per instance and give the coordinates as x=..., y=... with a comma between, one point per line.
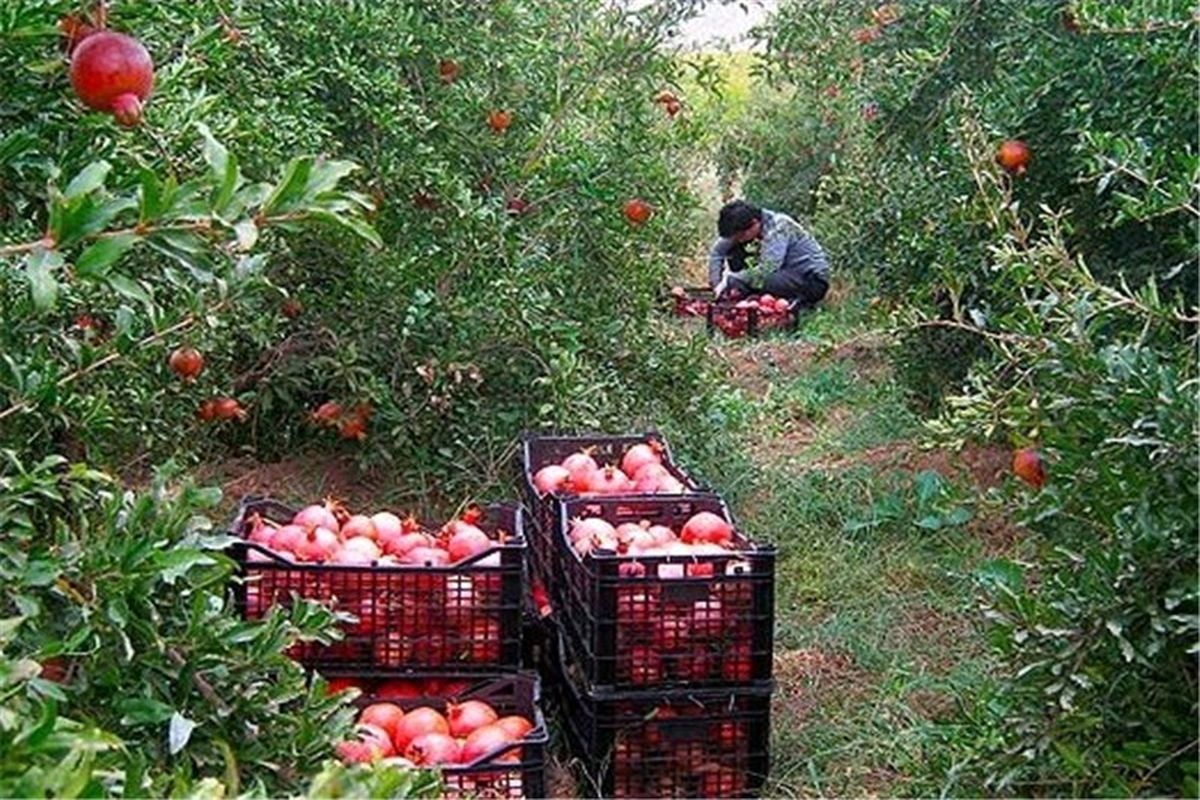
x=465, y=284
x=1054, y=309
x=124, y=665
x=468, y=325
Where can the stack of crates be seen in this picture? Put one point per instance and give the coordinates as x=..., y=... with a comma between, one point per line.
x=663, y=664
x=455, y=631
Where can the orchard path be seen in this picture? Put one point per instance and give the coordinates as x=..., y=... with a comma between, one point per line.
x=876, y=629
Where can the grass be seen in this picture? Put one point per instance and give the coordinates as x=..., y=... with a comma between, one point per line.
x=876, y=632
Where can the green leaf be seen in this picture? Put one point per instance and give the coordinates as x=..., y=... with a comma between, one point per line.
x=224, y=166
x=44, y=727
x=214, y=152
x=39, y=271
x=176, y=563
x=144, y=711
x=128, y=287
x=359, y=227
x=94, y=262
x=150, y=195
x=327, y=175
x=291, y=185
x=91, y=178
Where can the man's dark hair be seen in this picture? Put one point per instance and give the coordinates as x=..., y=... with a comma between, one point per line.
x=737, y=217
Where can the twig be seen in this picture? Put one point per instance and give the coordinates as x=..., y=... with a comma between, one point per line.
x=148, y=230
x=1149, y=26
x=1008, y=338
x=71, y=377
x=1167, y=760
x=295, y=344
x=203, y=686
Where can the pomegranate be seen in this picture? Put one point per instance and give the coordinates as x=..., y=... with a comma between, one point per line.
x=113, y=72
x=432, y=748
x=318, y=544
x=1027, y=465
x=383, y=715
x=609, y=480
x=580, y=466
x=637, y=211
x=482, y=643
x=228, y=408
x=484, y=741
x=406, y=543
x=499, y=120
x=317, y=516
x=388, y=527
x=640, y=541
x=1013, y=155
x=469, y=715
x=551, y=479
x=399, y=689
x=418, y=722
x=376, y=737
x=260, y=532
x=867, y=35
x=632, y=569
x=288, y=537
x=639, y=457
x=356, y=551
x=358, y=752
x=706, y=527
x=627, y=530
x=359, y=525
x=291, y=308
x=468, y=541
x=592, y=527
x=427, y=557
x=186, y=362
x=448, y=70
x=207, y=411
x=661, y=533
x=327, y=414
x=671, y=485
x=516, y=727
x=672, y=107
x=645, y=666
x=353, y=428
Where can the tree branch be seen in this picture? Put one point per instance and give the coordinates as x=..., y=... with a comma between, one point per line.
x=71, y=377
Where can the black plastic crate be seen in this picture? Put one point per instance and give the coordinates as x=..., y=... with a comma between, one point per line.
x=691, y=301
x=540, y=450
x=514, y=693
x=464, y=616
x=682, y=743
x=680, y=620
x=735, y=322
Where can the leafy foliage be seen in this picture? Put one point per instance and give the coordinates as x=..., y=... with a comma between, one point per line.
x=478, y=318
x=126, y=668
x=1053, y=309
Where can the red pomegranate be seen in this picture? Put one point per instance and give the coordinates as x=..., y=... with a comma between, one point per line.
x=113, y=72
